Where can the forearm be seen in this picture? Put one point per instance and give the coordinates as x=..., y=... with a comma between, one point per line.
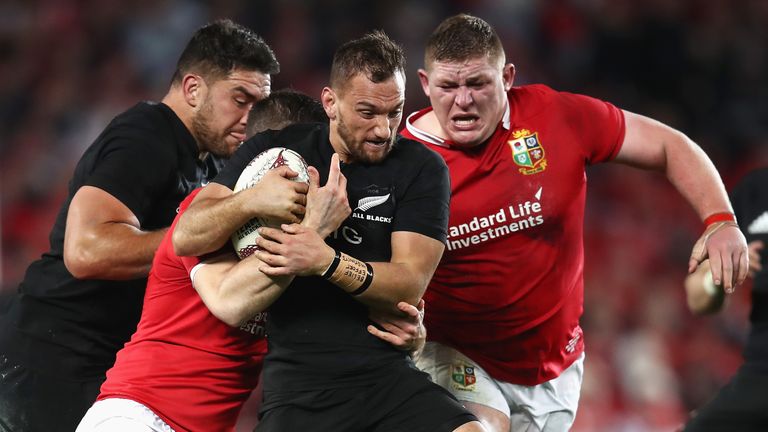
x=299, y=250
x=693, y=174
x=208, y=224
x=238, y=292
x=380, y=286
x=652, y=145
x=247, y=291
x=112, y=251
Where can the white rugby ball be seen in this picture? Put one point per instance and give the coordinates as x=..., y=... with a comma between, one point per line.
x=244, y=239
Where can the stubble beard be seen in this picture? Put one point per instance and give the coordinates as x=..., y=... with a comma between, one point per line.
x=356, y=149
x=206, y=138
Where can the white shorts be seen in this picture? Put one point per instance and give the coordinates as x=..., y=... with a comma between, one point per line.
x=121, y=415
x=547, y=407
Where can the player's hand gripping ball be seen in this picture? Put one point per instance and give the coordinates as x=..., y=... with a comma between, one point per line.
x=244, y=239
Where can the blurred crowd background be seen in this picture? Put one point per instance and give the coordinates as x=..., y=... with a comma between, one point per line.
x=69, y=66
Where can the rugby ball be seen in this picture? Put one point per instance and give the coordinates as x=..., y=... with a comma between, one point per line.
x=244, y=239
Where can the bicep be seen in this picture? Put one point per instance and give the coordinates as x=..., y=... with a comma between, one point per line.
x=645, y=142
x=212, y=192
x=91, y=207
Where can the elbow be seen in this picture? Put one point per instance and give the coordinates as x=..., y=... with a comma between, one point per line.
x=182, y=238
x=180, y=243
x=231, y=320
x=418, y=294
x=230, y=310
x=413, y=299
x=232, y=317
x=80, y=263
x=412, y=294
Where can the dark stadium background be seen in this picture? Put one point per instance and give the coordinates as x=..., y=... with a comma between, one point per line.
x=67, y=67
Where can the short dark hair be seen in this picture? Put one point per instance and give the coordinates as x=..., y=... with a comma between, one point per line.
x=375, y=55
x=282, y=108
x=463, y=37
x=218, y=48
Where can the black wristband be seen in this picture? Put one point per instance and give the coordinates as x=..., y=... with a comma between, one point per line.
x=366, y=282
x=334, y=264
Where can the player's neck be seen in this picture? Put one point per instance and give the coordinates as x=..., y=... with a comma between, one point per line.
x=175, y=101
x=429, y=124
x=338, y=143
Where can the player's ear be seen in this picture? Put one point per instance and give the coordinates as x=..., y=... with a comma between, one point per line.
x=193, y=88
x=424, y=80
x=508, y=75
x=329, y=99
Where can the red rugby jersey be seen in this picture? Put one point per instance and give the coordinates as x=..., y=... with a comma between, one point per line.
x=189, y=367
x=509, y=289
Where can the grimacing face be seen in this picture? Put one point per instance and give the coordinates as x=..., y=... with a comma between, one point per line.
x=365, y=117
x=468, y=97
x=219, y=122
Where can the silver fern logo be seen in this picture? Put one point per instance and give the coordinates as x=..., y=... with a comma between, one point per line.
x=370, y=202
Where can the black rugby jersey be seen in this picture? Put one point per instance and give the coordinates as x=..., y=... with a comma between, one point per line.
x=750, y=203
x=317, y=332
x=147, y=159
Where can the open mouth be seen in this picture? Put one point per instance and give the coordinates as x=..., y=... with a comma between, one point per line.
x=464, y=121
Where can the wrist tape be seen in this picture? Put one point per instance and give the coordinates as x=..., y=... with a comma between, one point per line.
x=349, y=273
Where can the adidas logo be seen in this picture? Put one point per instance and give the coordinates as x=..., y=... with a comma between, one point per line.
x=759, y=225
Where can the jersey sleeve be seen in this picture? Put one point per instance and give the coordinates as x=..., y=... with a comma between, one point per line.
x=599, y=125
x=739, y=196
x=134, y=168
x=243, y=156
x=749, y=198
x=423, y=208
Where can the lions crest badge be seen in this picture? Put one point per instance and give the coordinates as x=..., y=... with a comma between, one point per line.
x=463, y=377
x=528, y=152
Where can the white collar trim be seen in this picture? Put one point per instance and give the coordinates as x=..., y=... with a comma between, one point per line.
x=436, y=140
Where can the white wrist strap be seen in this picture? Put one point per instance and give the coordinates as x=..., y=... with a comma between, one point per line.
x=199, y=266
